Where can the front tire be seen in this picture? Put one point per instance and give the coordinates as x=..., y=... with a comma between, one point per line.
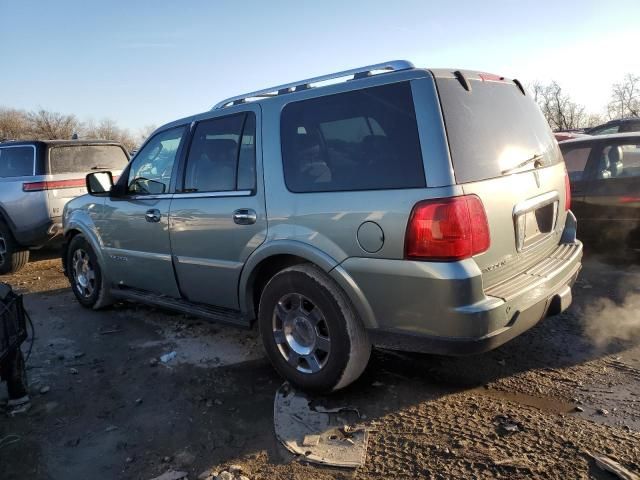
x=13, y=257
x=310, y=331
x=85, y=275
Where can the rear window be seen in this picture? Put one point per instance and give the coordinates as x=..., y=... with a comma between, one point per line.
x=16, y=161
x=83, y=158
x=361, y=140
x=494, y=129
x=576, y=161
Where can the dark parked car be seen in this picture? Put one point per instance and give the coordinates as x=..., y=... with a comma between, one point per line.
x=605, y=179
x=621, y=125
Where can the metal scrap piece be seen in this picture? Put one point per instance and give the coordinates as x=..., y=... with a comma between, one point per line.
x=317, y=433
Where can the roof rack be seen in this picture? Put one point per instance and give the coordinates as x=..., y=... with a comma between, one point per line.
x=362, y=72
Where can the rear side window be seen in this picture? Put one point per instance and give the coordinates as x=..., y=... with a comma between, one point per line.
x=83, y=158
x=16, y=161
x=575, y=160
x=494, y=130
x=361, y=140
x=222, y=155
x=619, y=161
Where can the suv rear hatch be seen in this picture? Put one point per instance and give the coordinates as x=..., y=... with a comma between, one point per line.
x=68, y=165
x=504, y=152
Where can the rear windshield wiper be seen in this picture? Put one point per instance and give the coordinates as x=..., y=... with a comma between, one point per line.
x=98, y=167
x=535, y=159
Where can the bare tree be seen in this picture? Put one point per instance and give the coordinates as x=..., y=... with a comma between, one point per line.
x=559, y=109
x=107, y=129
x=625, y=98
x=52, y=125
x=14, y=124
x=145, y=132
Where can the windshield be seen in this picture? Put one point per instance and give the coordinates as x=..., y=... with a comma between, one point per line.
x=84, y=158
x=494, y=130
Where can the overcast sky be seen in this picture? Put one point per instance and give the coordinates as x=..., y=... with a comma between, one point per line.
x=150, y=62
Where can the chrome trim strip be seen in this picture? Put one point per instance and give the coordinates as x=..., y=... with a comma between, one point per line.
x=23, y=146
x=120, y=252
x=232, y=193
x=535, y=202
x=159, y=196
x=208, y=262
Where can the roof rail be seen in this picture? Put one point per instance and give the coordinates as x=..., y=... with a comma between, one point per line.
x=392, y=66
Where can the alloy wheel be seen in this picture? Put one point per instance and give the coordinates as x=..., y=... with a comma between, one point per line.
x=84, y=276
x=301, y=333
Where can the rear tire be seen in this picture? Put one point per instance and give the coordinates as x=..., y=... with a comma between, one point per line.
x=86, y=276
x=310, y=330
x=13, y=257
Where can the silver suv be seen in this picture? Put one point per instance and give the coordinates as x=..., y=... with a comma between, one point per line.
x=413, y=209
x=37, y=179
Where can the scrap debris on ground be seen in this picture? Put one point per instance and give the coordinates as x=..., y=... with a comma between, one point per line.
x=561, y=401
x=329, y=436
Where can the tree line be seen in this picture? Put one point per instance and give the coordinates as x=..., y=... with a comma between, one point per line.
x=45, y=125
x=563, y=113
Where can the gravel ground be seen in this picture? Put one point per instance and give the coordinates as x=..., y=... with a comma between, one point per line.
x=538, y=407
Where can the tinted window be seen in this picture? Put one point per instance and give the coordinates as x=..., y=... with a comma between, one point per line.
x=16, y=161
x=576, y=160
x=630, y=127
x=151, y=168
x=221, y=157
x=82, y=158
x=362, y=140
x=619, y=161
x=604, y=130
x=493, y=129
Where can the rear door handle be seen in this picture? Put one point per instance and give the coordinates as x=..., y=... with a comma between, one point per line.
x=245, y=216
x=153, y=215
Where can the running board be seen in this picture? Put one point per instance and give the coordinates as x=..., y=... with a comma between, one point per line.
x=221, y=315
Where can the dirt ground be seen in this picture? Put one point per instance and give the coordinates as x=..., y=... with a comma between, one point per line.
x=570, y=386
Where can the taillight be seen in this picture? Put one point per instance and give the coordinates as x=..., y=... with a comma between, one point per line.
x=447, y=229
x=567, y=192
x=53, y=184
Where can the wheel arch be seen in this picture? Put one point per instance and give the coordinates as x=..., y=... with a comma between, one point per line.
x=79, y=225
x=275, y=256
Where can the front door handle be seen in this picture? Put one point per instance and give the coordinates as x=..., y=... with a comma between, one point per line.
x=245, y=216
x=153, y=215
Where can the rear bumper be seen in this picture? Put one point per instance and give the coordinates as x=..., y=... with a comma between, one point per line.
x=452, y=314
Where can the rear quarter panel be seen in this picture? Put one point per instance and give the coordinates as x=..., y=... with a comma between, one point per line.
x=329, y=221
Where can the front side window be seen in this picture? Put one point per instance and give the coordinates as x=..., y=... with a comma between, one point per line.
x=150, y=171
x=619, y=161
x=16, y=161
x=575, y=160
x=361, y=140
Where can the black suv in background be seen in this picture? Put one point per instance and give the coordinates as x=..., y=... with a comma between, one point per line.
x=604, y=172
x=621, y=125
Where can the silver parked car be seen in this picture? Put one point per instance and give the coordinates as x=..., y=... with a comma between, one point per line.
x=37, y=179
x=414, y=209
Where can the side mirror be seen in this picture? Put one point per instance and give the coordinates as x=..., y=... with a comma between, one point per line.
x=99, y=183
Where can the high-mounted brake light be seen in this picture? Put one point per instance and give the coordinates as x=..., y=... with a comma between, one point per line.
x=447, y=229
x=490, y=77
x=53, y=184
x=567, y=191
